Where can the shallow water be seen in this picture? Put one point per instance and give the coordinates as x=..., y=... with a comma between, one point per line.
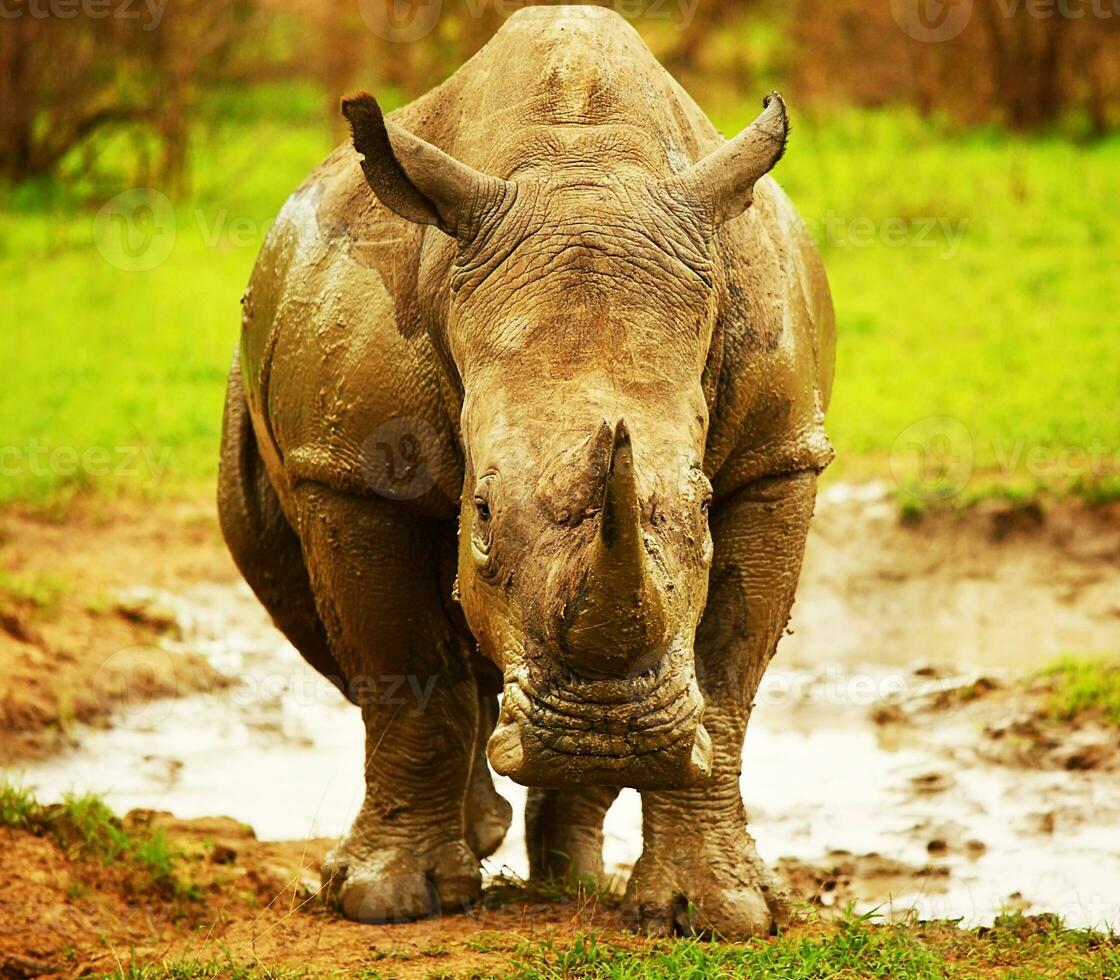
x=282, y=751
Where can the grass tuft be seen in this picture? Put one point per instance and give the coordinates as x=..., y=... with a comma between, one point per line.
x=1085, y=685
x=86, y=829
x=507, y=889
x=227, y=968
x=40, y=593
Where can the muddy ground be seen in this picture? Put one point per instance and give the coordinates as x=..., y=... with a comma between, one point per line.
x=255, y=902
x=909, y=645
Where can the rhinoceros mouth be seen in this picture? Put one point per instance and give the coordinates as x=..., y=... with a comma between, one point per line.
x=558, y=728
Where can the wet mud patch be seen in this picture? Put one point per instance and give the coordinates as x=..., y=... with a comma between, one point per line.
x=995, y=588
x=840, y=879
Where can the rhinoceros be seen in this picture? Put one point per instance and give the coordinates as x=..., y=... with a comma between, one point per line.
x=529, y=402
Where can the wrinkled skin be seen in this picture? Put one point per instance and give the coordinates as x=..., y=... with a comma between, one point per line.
x=540, y=417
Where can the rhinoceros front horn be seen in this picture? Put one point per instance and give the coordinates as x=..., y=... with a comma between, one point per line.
x=415, y=179
x=616, y=624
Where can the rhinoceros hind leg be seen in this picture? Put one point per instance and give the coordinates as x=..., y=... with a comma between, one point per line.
x=488, y=813
x=263, y=544
x=564, y=833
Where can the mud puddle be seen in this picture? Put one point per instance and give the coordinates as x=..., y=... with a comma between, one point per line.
x=852, y=810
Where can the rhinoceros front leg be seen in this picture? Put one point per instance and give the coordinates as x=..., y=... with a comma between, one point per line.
x=372, y=571
x=699, y=870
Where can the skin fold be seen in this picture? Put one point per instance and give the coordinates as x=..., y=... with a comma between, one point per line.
x=529, y=401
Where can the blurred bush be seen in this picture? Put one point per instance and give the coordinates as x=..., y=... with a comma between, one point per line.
x=145, y=71
x=1025, y=64
x=74, y=70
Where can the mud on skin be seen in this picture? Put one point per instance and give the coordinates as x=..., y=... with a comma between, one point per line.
x=530, y=396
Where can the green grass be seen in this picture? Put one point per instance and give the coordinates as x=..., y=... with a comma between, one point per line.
x=121, y=373
x=1085, y=685
x=1003, y=315
x=86, y=829
x=1008, y=325
x=857, y=949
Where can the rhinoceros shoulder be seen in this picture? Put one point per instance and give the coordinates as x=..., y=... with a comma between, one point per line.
x=336, y=361
x=777, y=336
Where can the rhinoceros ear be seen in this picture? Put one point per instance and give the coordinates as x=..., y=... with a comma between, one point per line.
x=722, y=184
x=413, y=178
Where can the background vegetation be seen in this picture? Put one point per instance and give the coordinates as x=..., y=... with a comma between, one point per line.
x=964, y=192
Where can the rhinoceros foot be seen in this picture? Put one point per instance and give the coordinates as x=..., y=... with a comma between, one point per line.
x=719, y=888
x=399, y=884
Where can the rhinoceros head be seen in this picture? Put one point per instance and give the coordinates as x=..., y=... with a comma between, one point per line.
x=578, y=309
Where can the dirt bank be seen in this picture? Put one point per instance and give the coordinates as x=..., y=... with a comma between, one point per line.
x=1019, y=723
x=76, y=638
x=997, y=586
